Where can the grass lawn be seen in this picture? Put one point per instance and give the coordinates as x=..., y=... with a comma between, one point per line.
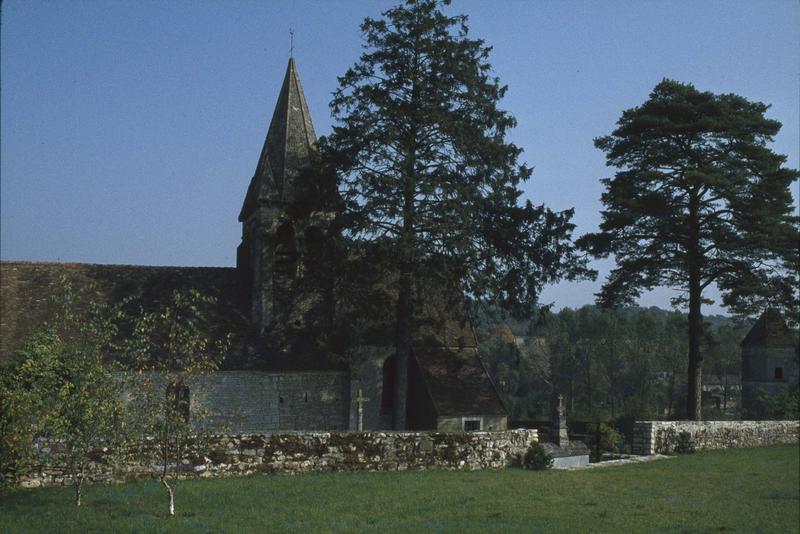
x=742, y=490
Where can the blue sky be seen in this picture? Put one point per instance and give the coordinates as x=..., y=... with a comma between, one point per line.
x=130, y=130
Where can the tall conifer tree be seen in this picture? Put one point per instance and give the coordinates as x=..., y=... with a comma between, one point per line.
x=699, y=199
x=424, y=164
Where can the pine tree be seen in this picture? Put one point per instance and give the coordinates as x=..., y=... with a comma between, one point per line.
x=423, y=163
x=699, y=199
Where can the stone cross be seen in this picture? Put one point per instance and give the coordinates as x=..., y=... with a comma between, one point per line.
x=560, y=436
x=291, y=42
x=360, y=400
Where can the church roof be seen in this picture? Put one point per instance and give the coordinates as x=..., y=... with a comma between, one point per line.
x=288, y=147
x=457, y=382
x=770, y=330
x=25, y=302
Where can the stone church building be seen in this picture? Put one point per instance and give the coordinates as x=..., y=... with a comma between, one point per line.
x=275, y=377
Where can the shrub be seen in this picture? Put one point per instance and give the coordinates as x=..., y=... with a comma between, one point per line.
x=685, y=443
x=537, y=458
x=17, y=420
x=784, y=405
x=609, y=438
x=602, y=437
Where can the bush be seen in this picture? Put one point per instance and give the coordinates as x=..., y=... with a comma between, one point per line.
x=16, y=429
x=537, y=458
x=602, y=437
x=685, y=443
x=782, y=406
x=609, y=438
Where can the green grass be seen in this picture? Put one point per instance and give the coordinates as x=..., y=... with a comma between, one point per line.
x=742, y=490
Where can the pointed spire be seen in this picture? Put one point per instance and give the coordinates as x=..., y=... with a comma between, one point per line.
x=290, y=142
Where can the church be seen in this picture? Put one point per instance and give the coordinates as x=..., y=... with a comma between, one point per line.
x=275, y=377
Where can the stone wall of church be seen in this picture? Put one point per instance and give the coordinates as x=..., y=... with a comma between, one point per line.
x=300, y=452
x=662, y=437
x=253, y=401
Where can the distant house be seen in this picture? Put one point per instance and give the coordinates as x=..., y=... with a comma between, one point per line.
x=770, y=361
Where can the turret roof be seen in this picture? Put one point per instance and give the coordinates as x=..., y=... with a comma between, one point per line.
x=770, y=330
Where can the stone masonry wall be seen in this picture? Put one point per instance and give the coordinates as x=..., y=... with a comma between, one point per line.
x=300, y=452
x=661, y=437
x=255, y=401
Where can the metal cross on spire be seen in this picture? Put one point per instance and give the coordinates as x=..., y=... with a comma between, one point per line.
x=291, y=42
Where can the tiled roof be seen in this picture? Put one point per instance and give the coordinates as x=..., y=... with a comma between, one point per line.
x=457, y=382
x=26, y=289
x=25, y=301
x=770, y=330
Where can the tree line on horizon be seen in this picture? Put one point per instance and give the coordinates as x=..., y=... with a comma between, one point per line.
x=616, y=365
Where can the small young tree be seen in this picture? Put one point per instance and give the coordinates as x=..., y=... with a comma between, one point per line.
x=72, y=395
x=171, y=349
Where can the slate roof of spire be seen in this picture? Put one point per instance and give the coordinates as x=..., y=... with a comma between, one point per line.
x=770, y=330
x=290, y=142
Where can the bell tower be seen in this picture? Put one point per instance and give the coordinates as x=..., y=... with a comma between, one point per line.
x=271, y=255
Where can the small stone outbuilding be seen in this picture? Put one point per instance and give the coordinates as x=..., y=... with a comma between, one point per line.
x=770, y=359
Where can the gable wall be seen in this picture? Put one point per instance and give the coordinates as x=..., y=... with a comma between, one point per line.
x=759, y=363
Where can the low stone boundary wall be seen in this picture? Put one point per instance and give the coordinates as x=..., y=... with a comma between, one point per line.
x=662, y=437
x=301, y=452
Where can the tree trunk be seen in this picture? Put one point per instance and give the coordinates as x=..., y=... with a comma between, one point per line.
x=694, y=399
x=403, y=349
x=725, y=393
x=589, y=386
x=171, y=492
x=406, y=284
x=78, y=484
x=671, y=397
x=404, y=305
